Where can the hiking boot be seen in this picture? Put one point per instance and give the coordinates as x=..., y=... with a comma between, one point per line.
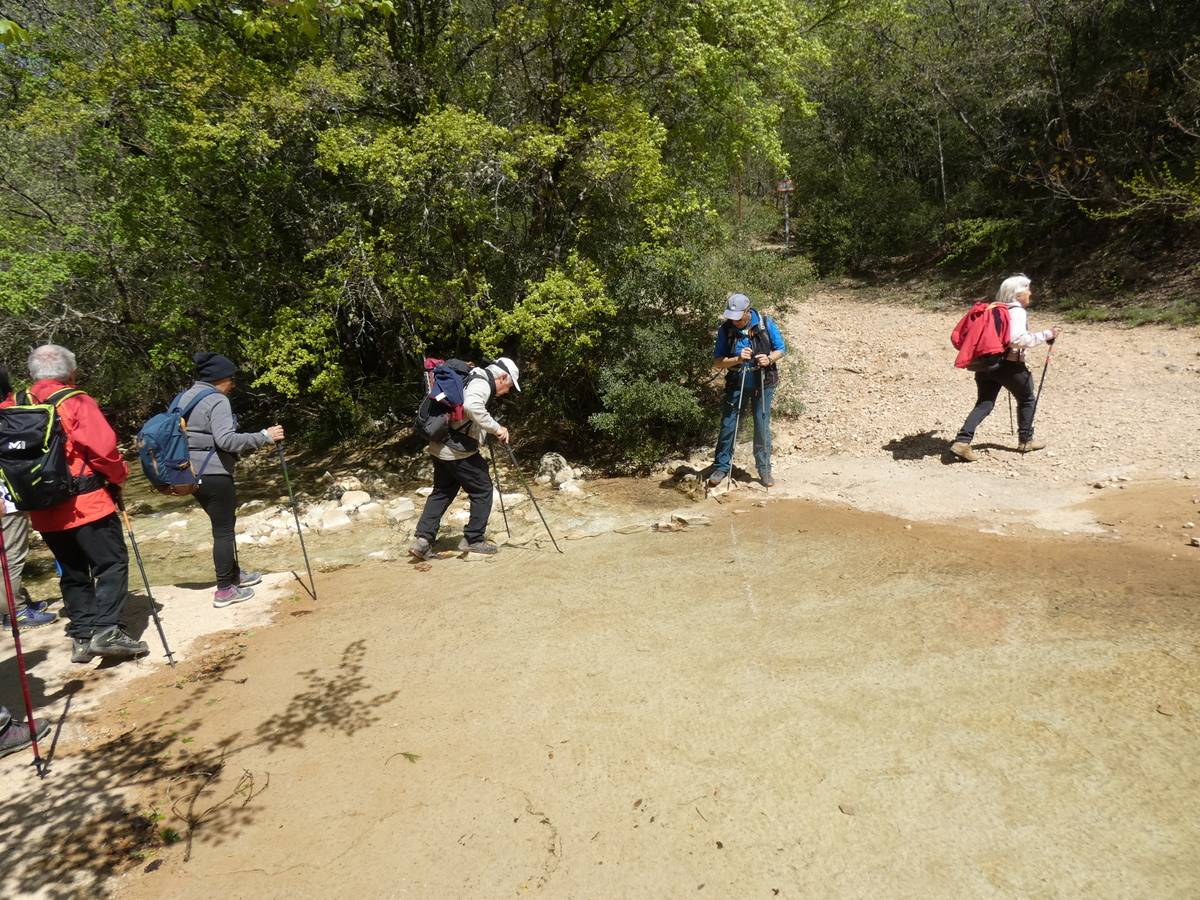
x=486, y=547
x=249, y=579
x=1030, y=446
x=114, y=643
x=235, y=593
x=422, y=549
x=767, y=480
x=81, y=650
x=28, y=617
x=715, y=479
x=16, y=735
x=963, y=451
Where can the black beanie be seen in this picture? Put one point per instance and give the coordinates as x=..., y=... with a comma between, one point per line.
x=213, y=367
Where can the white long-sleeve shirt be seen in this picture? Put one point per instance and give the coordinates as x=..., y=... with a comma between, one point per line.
x=1020, y=338
x=480, y=422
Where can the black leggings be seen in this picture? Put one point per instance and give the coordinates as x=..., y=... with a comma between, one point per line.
x=219, y=499
x=1017, y=378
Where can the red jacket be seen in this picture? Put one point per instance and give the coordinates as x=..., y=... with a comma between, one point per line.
x=91, y=448
x=983, y=331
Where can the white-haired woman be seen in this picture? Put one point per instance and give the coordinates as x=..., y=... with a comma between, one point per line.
x=1013, y=374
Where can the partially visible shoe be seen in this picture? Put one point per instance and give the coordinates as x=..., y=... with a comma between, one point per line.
x=81, y=650
x=16, y=735
x=422, y=549
x=963, y=451
x=28, y=617
x=1030, y=446
x=486, y=547
x=114, y=643
x=767, y=480
x=249, y=579
x=715, y=479
x=235, y=593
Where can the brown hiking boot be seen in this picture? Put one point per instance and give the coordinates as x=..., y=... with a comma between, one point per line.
x=1030, y=446
x=963, y=451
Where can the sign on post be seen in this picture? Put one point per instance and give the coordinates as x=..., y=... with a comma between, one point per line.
x=784, y=186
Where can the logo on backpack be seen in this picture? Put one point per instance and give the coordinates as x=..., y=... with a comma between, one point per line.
x=33, y=461
x=440, y=417
x=981, y=337
x=162, y=447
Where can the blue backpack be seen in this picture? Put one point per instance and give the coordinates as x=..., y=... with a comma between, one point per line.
x=162, y=447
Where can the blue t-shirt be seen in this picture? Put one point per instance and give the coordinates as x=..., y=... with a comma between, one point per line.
x=741, y=337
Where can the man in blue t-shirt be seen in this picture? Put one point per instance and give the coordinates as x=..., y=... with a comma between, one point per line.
x=748, y=346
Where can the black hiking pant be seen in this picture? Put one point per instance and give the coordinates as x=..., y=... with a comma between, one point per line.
x=1016, y=377
x=95, y=574
x=470, y=474
x=218, y=498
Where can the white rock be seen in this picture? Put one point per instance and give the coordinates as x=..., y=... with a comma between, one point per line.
x=352, y=500
x=348, y=483
x=370, y=510
x=563, y=475
x=400, y=510
x=689, y=518
x=459, y=517
x=334, y=519
x=542, y=479
x=512, y=501
x=571, y=489
x=245, y=539
x=424, y=491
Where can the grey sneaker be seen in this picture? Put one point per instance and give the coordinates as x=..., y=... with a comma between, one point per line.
x=422, y=549
x=17, y=735
x=963, y=451
x=715, y=479
x=81, y=650
x=486, y=547
x=235, y=593
x=114, y=643
x=249, y=579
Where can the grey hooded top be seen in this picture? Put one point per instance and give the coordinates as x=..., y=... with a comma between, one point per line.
x=212, y=423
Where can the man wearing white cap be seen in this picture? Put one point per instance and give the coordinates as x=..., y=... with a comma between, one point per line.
x=457, y=462
x=748, y=346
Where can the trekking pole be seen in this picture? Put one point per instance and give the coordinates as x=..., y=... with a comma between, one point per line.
x=529, y=491
x=137, y=555
x=1042, y=380
x=312, y=589
x=16, y=633
x=500, y=490
x=1011, y=430
x=737, y=419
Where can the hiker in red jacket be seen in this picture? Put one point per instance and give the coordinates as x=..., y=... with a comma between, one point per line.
x=83, y=531
x=1012, y=373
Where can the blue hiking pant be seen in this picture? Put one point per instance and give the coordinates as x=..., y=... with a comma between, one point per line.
x=755, y=400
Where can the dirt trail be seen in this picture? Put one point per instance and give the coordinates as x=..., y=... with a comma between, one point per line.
x=802, y=699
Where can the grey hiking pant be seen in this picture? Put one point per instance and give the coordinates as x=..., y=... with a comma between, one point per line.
x=16, y=548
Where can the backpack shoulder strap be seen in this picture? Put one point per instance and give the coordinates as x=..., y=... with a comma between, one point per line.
x=191, y=407
x=491, y=380
x=58, y=397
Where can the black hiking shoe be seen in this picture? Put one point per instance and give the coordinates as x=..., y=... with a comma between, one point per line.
x=715, y=479
x=486, y=547
x=81, y=650
x=422, y=549
x=114, y=643
x=16, y=735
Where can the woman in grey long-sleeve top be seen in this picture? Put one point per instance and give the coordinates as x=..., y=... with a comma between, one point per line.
x=215, y=444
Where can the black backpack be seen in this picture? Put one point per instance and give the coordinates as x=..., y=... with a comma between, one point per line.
x=437, y=413
x=33, y=453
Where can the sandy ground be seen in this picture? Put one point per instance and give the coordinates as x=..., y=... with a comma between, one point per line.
x=802, y=699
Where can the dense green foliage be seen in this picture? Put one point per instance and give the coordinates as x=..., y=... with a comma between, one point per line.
x=975, y=128
x=329, y=189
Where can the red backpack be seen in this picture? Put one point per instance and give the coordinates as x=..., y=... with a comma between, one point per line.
x=981, y=337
